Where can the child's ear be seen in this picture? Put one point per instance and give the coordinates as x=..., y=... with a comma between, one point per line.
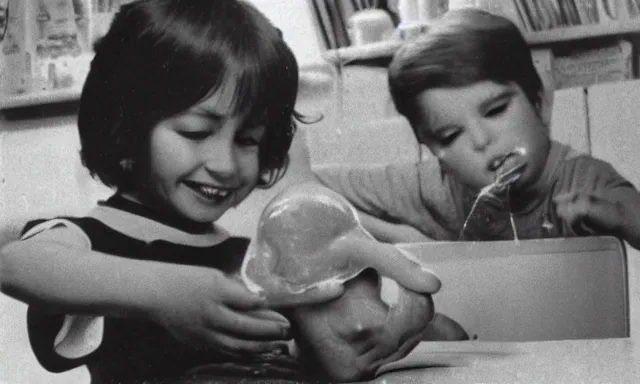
x=545, y=107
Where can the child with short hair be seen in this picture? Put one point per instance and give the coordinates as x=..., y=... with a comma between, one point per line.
x=472, y=95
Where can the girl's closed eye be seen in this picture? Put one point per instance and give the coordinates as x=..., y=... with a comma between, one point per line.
x=497, y=109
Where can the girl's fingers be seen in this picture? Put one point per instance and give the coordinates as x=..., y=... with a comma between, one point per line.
x=390, y=261
x=248, y=325
x=237, y=347
x=236, y=295
x=267, y=314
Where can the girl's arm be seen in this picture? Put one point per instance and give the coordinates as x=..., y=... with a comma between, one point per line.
x=197, y=305
x=73, y=280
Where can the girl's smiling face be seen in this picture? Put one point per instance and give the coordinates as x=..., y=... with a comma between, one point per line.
x=202, y=161
x=482, y=130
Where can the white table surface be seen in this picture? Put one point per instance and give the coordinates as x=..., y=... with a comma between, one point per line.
x=575, y=361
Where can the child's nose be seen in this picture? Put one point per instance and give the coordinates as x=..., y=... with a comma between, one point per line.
x=220, y=158
x=480, y=135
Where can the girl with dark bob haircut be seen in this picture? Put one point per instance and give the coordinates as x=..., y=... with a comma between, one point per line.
x=188, y=106
x=152, y=65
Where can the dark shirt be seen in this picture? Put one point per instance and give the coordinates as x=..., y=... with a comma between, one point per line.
x=139, y=350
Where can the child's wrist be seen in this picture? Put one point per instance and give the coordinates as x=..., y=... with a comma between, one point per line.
x=145, y=295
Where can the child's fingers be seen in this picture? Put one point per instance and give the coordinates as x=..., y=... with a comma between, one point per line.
x=588, y=214
x=390, y=261
x=236, y=346
x=237, y=295
x=248, y=325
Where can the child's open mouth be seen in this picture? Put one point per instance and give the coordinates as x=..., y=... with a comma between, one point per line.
x=209, y=192
x=508, y=169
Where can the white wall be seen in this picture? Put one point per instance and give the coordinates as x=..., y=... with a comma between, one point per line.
x=614, y=123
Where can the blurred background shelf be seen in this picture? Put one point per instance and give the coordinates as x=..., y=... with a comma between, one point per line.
x=36, y=68
x=40, y=98
x=580, y=32
x=386, y=49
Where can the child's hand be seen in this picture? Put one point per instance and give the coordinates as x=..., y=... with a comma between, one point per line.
x=349, y=338
x=207, y=309
x=589, y=214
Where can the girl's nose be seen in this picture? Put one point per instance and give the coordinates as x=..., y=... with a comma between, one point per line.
x=480, y=135
x=220, y=159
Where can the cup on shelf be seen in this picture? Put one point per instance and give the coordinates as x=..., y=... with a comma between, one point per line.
x=370, y=26
x=415, y=16
x=430, y=9
x=410, y=31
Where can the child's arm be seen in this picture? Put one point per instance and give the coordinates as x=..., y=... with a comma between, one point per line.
x=392, y=202
x=415, y=195
x=198, y=305
x=387, y=232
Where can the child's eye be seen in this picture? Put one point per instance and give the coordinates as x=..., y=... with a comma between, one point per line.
x=448, y=137
x=195, y=135
x=497, y=109
x=251, y=136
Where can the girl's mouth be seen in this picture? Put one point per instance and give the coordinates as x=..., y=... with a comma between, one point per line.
x=209, y=192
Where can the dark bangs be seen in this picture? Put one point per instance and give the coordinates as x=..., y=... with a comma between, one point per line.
x=266, y=72
x=199, y=57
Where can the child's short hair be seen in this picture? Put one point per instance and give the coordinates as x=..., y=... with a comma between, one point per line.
x=463, y=47
x=160, y=57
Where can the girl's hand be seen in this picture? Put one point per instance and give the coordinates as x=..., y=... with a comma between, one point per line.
x=207, y=309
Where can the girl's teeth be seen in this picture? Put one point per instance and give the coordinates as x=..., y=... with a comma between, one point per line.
x=213, y=192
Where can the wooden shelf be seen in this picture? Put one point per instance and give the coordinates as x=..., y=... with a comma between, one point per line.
x=383, y=49
x=581, y=32
x=39, y=98
x=316, y=78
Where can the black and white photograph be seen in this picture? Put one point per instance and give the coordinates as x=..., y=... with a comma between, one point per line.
x=319, y=191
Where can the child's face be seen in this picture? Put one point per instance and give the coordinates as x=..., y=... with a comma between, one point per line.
x=204, y=160
x=482, y=130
